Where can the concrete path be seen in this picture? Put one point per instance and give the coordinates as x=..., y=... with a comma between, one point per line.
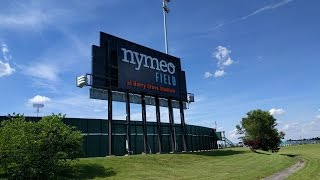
x=287, y=172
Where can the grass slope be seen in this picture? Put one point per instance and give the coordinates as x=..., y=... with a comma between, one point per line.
x=235, y=163
x=311, y=153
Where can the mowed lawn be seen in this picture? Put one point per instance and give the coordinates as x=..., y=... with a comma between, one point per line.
x=233, y=163
x=311, y=153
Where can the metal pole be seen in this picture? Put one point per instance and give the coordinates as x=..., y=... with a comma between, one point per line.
x=110, y=121
x=164, y=6
x=183, y=127
x=171, y=123
x=158, y=125
x=144, y=123
x=128, y=133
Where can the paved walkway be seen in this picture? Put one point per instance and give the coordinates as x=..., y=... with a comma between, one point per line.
x=287, y=172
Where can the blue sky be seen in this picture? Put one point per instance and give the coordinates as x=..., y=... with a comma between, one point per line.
x=238, y=56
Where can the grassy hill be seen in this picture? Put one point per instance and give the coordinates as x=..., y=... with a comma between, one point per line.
x=235, y=163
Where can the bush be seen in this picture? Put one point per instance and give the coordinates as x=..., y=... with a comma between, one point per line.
x=37, y=149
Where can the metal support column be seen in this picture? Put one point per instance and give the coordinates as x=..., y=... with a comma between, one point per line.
x=171, y=123
x=183, y=127
x=144, y=124
x=110, y=122
x=128, y=133
x=159, y=133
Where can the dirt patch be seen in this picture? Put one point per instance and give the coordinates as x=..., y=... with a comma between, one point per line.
x=287, y=172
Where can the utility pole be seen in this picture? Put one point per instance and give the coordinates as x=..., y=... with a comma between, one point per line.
x=165, y=10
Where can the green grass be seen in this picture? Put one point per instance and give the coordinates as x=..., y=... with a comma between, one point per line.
x=310, y=153
x=235, y=163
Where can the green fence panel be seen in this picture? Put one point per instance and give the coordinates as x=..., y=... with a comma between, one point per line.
x=105, y=125
x=95, y=132
x=119, y=127
x=134, y=144
x=119, y=144
x=94, y=126
x=202, y=143
x=85, y=147
x=199, y=140
x=104, y=145
x=139, y=144
x=178, y=129
x=139, y=128
x=189, y=143
x=150, y=144
x=93, y=146
x=150, y=128
x=166, y=148
x=165, y=130
x=178, y=143
x=218, y=136
x=156, y=144
x=80, y=124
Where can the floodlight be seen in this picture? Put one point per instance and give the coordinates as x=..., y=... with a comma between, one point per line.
x=190, y=97
x=166, y=9
x=38, y=106
x=81, y=81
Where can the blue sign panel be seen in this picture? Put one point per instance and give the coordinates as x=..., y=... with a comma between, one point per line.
x=129, y=67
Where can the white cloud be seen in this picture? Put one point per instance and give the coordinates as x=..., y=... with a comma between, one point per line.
x=228, y=62
x=266, y=8
x=5, y=68
x=37, y=15
x=318, y=116
x=39, y=99
x=233, y=136
x=220, y=128
x=5, y=52
x=275, y=111
x=208, y=74
x=290, y=126
x=42, y=71
x=256, y=12
x=301, y=129
x=222, y=54
x=219, y=73
x=27, y=18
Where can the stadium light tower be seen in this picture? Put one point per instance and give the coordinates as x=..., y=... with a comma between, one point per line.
x=38, y=106
x=165, y=10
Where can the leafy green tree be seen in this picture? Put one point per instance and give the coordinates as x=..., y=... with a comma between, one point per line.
x=259, y=131
x=36, y=150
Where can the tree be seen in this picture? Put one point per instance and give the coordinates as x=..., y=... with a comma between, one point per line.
x=34, y=150
x=259, y=131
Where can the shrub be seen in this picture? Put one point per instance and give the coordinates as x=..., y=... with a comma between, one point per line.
x=37, y=149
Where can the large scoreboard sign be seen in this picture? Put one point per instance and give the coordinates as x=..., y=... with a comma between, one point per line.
x=124, y=66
